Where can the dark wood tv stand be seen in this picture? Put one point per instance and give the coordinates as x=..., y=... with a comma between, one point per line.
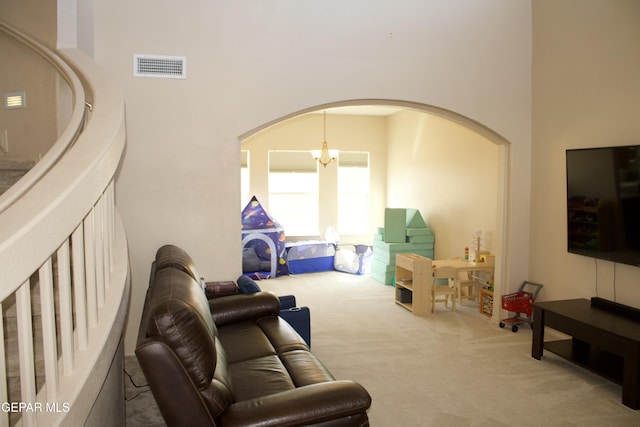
x=605, y=339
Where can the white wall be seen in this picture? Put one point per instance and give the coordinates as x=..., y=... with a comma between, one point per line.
x=251, y=62
x=33, y=17
x=448, y=172
x=39, y=81
x=586, y=88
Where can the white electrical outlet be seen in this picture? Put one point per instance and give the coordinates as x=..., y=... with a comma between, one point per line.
x=4, y=142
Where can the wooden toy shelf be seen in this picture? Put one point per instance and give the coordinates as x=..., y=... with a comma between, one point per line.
x=413, y=275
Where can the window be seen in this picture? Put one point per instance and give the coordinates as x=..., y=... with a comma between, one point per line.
x=244, y=179
x=353, y=193
x=293, y=191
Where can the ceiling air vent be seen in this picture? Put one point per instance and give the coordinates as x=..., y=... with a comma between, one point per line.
x=167, y=67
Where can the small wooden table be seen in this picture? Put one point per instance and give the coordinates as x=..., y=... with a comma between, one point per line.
x=603, y=341
x=464, y=265
x=414, y=276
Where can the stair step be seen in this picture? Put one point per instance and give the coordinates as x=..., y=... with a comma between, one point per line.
x=11, y=171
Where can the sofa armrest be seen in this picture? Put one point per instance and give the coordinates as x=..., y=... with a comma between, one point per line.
x=287, y=301
x=235, y=308
x=220, y=289
x=305, y=405
x=177, y=396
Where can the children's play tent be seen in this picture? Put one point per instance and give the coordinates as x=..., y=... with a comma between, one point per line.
x=262, y=243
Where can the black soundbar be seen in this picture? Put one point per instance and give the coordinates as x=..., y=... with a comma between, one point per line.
x=615, y=307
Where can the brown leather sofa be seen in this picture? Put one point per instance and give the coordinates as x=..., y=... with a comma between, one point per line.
x=232, y=361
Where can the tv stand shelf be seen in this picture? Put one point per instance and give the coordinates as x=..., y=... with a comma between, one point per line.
x=605, y=339
x=601, y=362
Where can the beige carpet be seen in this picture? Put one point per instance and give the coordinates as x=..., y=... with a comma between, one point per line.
x=451, y=369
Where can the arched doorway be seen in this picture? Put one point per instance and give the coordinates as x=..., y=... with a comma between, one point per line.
x=423, y=119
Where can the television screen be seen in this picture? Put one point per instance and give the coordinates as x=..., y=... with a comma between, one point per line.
x=603, y=203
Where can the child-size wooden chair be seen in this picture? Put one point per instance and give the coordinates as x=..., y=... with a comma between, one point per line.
x=444, y=292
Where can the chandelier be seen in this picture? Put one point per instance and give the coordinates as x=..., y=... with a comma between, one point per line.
x=324, y=156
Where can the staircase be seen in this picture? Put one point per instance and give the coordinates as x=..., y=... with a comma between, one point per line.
x=9, y=319
x=11, y=171
x=64, y=272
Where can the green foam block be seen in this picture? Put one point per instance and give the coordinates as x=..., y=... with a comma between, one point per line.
x=414, y=219
x=426, y=231
x=420, y=239
x=395, y=225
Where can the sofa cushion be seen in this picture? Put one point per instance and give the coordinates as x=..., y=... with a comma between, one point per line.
x=259, y=377
x=281, y=334
x=243, y=341
x=247, y=285
x=182, y=320
x=178, y=316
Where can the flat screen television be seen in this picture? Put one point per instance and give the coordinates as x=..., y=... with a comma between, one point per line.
x=603, y=203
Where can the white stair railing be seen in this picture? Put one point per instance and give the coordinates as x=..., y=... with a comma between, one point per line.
x=77, y=116
x=64, y=272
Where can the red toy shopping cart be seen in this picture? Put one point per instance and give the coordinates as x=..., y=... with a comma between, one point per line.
x=520, y=304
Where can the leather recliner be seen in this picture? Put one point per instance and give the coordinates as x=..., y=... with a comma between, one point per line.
x=232, y=361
